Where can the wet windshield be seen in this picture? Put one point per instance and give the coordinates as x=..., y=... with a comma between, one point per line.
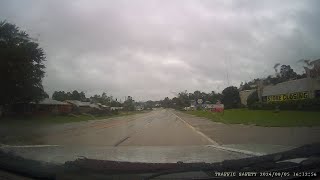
x=158, y=81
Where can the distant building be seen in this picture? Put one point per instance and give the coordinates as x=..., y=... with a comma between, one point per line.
x=44, y=107
x=50, y=106
x=116, y=108
x=139, y=108
x=208, y=106
x=81, y=107
x=292, y=90
x=244, y=95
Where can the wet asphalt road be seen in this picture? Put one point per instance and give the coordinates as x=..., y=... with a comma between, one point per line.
x=162, y=135
x=156, y=128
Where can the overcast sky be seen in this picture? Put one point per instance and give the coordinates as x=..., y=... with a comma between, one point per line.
x=151, y=49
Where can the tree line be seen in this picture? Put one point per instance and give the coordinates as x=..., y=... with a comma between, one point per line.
x=282, y=74
x=22, y=69
x=103, y=99
x=229, y=96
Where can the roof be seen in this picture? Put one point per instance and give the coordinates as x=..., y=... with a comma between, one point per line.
x=116, y=108
x=94, y=106
x=78, y=103
x=48, y=101
x=298, y=85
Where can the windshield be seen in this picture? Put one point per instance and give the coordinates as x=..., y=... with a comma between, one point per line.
x=158, y=81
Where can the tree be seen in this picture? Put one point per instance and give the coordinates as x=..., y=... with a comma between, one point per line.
x=166, y=103
x=183, y=99
x=59, y=95
x=115, y=103
x=231, y=97
x=246, y=86
x=287, y=73
x=75, y=95
x=82, y=96
x=214, y=97
x=103, y=99
x=21, y=66
x=149, y=104
x=128, y=104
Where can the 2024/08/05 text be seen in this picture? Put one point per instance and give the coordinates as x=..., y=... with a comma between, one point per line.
x=264, y=174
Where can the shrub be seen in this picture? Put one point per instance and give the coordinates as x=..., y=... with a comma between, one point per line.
x=303, y=105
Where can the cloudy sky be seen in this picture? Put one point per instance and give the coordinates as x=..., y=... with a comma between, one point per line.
x=150, y=49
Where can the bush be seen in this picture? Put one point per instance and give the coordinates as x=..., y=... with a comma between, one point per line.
x=303, y=105
x=231, y=97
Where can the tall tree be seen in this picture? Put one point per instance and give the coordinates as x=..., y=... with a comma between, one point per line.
x=166, y=103
x=59, y=95
x=21, y=66
x=82, y=96
x=245, y=86
x=287, y=73
x=75, y=95
x=128, y=104
x=231, y=97
x=214, y=97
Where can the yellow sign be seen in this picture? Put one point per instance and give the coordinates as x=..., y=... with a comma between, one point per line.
x=291, y=96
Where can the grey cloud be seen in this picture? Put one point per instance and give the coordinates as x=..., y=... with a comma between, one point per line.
x=149, y=48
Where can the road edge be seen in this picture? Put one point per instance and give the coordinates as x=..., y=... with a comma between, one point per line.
x=197, y=131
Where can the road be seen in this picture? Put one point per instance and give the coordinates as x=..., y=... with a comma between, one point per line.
x=162, y=135
x=156, y=128
x=157, y=136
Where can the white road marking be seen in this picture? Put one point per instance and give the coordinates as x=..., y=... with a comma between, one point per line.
x=195, y=130
x=237, y=150
x=216, y=145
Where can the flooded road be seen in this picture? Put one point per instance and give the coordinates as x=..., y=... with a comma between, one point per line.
x=156, y=128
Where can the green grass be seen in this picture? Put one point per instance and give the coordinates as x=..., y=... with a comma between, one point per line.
x=19, y=131
x=262, y=117
x=61, y=119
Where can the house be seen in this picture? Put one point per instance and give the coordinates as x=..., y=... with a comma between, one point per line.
x=51, y=106
x=116, y=108
x=103, y=107
x=44, y=107
x=139, y=108
x=81, y=107
x=208, y=106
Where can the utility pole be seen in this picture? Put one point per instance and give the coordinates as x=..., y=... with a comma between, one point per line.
x=227, y=66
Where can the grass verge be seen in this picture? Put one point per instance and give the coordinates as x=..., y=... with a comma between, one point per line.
x=25, y=131
x=62, y=119
x=262, y=117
